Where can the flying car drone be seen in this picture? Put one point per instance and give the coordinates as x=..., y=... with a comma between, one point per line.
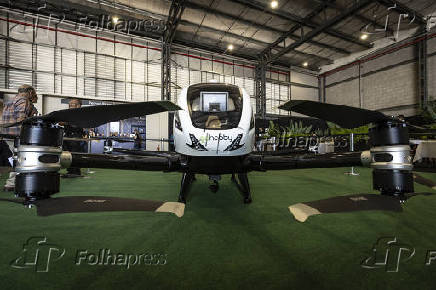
x=214, y=134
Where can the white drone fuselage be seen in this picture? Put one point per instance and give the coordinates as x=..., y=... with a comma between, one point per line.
x=214, y=135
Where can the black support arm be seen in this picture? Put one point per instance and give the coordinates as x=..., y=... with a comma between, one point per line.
x=264, y=162
x=128, y=162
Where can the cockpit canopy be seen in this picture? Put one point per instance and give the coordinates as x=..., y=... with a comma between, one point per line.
x=214, y=106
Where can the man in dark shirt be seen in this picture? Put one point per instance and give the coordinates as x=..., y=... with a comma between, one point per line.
x=137, y=139
x=16, y=110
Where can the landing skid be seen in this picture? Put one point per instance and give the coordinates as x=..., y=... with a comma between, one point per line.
x=243, y=186
x=214, y=186
x=187, y=179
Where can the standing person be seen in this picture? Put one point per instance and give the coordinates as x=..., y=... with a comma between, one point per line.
x=16, y=110
x=73, y=146
x=137, y=144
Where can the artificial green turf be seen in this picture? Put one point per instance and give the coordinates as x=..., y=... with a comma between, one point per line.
x=221, y=243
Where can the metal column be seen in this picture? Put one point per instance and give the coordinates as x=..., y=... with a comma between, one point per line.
x=422, y=72
x=175, y=13
x=166, y=71
x=260, y=89
x=321, y=89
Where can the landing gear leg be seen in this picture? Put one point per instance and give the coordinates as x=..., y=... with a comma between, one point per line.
x=187, y=179
x=244, y=187
x=214, y=185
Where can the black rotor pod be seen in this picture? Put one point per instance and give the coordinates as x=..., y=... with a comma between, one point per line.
x=389, y=133
x=38, y=160
x=392, y=173
x=41, y=133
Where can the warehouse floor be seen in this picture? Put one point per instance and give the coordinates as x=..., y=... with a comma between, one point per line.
x=221, y=243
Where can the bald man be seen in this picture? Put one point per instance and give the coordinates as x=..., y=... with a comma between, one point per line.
x=16, y=110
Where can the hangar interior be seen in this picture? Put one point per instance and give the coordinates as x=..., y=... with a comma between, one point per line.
x=76, y=54
x=378, y=55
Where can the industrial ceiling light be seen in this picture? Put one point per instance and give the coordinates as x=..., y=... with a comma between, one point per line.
x=115, y=19
x=230, y=47
x=274, y=4
x=364, y=36
x=305, y=64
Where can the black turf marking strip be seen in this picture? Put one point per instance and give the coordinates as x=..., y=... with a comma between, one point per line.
x=357, y=202
x=424, y=181
x=76, y=204
x=14, y=200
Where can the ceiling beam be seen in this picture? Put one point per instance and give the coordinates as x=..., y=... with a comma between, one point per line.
x=250, y=23
x=353, y=9
x=253, y=4
x=251, y=40
x=364, y=19
x=267, y=50
x=213, y=49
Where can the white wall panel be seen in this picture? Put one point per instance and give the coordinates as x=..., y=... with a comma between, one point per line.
x=18, y=78
x=3, y=50
x=86, y=44
x=67, y=40
x=68, y=62
x=105, y=47
x=120, y=69
x=105, y=89
x=154, y=93
x=120, y=90
x=45, y=59
x=45, y=82
x=105, y=67
x=20, y=55
x=21, y=32
x=195, y=77
x=80, y=63
x=138, y=70
x=68, y=85
x=3, y=84
x=154, y=74
x=138, y=93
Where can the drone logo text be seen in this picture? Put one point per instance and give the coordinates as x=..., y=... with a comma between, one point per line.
x=38, y=254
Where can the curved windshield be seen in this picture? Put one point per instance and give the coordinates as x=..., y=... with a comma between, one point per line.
x=215, y=106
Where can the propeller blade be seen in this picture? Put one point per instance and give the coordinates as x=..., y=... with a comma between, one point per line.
x=349, y=203
x=80, y=204
x=424, y=169
x=94, y=116
x=14, y=200
x=424, y=181
x=344, y=116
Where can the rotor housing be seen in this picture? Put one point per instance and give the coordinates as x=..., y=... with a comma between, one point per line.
x=38, y=160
